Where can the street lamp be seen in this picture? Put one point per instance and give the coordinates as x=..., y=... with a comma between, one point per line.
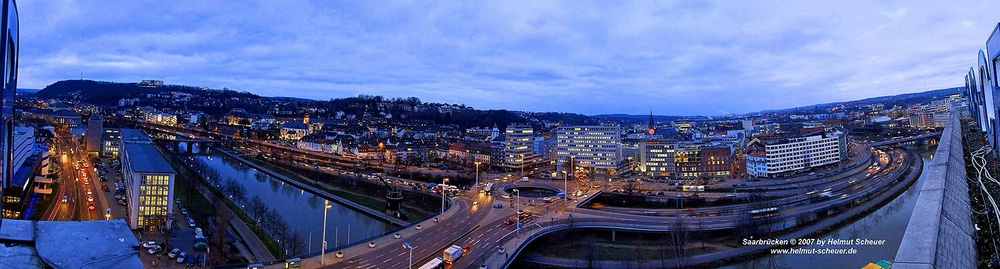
x=322, y=255
x=565, y=186
x=407, y=246
x=444, y=181
x=518, y=213
x=477, y=174
x=522, y=165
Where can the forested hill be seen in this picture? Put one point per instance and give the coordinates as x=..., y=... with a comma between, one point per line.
x=108, y=93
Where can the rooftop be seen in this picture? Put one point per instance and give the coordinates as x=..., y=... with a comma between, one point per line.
x=144, y=158
x=68, y=244
x=142, y=155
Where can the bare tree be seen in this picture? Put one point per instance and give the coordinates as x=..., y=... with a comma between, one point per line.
x=239, y=192
x=295, y=244
x=678, y=240
x=222, y=218
x=256, y=208
x=591, y=251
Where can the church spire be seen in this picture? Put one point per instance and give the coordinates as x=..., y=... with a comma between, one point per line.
x=652, y=125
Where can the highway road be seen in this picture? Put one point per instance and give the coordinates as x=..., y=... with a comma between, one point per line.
x=78, y=181
x=807, y=190
x=427, y=242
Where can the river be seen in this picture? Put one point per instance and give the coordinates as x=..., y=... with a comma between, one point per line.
x=301, y=209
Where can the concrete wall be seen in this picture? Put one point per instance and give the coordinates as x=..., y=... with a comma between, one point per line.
x=940, y=233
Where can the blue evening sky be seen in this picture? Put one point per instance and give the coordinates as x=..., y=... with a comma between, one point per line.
x=676, y=57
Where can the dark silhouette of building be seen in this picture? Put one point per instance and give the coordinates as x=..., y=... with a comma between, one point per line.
x=10, y=47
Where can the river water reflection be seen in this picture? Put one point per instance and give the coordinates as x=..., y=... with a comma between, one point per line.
x=301, y=209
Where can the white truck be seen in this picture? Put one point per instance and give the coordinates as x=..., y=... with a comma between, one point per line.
x=452, y=253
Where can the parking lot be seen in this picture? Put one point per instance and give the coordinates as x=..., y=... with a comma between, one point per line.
x=183, y=239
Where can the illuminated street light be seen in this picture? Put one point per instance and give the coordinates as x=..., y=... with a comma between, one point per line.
x=322, y=255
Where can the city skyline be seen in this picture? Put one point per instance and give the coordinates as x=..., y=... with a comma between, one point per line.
x=520, y=56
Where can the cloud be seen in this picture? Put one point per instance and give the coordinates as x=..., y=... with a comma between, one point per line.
x=678, y=57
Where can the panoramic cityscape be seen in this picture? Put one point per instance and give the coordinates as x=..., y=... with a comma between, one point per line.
x=499, y=135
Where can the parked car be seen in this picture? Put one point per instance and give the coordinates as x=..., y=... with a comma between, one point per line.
x=174, y=252
x=190, y=261
x=191, y=223
x=181, y=257
x=155, y=250
x=149, y=244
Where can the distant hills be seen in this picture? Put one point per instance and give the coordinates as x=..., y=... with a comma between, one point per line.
x=889, y=100
x=108, y=93
x=644, y=118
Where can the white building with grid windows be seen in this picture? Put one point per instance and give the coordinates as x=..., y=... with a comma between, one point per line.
x=149, y=181
x=518, y=149
x=597, y=147
x=772, y=157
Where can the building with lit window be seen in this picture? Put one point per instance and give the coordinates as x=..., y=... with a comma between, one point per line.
x=162, y=118
x=149, y=181
x=684, y=160
x=656, y=158
x=596, y=147
x=519, y=145
x=111, y=143
x=26, y=162
x=778, y=155
x=95, y=128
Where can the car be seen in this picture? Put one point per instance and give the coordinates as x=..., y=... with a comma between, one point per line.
x=475, y=202
x=85, y=181
x=189, y=261
x=90, y=198
x=174, y=252
x=91, y=206
x=201, y=259
x=178, y=200
x=149, y=244
x=191, y=223
x=181, y=257
x=65, y=199
x=154, y=250
x=509, y=221
x=90, y=192
x=184, y=211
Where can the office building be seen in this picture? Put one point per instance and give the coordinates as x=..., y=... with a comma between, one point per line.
x=779, y=155
x=95, y=130
x=656, y=158
x=595, y=147
x=27, y=160
x=111, y=143
x=518, y=149
x=928, y=116
x=149, y=181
